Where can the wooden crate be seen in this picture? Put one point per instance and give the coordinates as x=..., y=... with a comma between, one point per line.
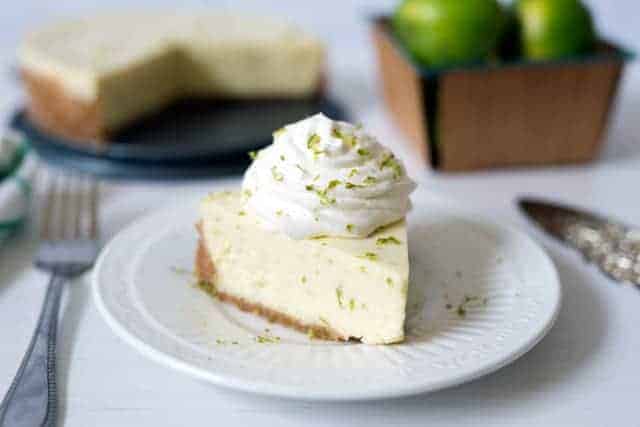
x=500, y=115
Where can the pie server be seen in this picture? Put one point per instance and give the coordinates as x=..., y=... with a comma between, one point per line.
x=611, y=245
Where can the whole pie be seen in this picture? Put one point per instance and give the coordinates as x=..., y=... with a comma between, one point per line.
x=87, y=78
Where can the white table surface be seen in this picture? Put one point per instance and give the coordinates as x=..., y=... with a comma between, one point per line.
x=584, y=373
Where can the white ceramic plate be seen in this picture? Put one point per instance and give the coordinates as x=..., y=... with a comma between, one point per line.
x=144, y=290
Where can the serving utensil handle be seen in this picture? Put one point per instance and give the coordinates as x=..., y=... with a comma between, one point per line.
x=31, y=400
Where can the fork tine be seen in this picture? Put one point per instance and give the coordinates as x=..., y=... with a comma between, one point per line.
x=66, y=219
x=85, y=207
x=78, y=206
x=95, y=195
x=81, y=208
x=70, y=210
x=47, y=220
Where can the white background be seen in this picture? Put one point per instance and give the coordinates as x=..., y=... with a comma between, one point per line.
x=585, y=373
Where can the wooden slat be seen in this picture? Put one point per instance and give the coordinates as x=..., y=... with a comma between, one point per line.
x=524, y=116
x=402, y=89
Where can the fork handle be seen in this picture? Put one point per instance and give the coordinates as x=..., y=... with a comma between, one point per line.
x=31, y=399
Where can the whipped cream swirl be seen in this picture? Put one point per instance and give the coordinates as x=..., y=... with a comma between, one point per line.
x=324, y=177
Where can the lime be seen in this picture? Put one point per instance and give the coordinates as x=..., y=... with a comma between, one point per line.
x=441, y=33
x=553, y=29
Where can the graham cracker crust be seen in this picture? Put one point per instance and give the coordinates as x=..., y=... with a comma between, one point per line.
x=53, y=110
x=205, y=272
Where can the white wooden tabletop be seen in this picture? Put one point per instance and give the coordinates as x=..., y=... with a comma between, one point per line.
x=584, y=373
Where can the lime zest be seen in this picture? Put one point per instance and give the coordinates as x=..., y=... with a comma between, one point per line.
x=370, y=180
x=349, y=140
x=371, y=256
x=340, y=296
x=381, y=241
x=267, y=339
x=276, y=175
x=389, y=161
x=351, y=185
x=312, y=144
x=311, y=334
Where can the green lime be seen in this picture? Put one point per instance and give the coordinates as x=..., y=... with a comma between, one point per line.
x=553, y=29
x=441, y=33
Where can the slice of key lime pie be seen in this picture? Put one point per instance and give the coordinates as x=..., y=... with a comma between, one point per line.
x=317, y=238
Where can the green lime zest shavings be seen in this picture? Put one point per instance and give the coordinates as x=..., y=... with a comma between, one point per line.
x=349, y=140
x=208, y=287
x=303, y=170
x=370, y=180
x=322, y=194
x=389, y=161
x=311, y=334
x=242, y=213
x=353, y=173
x=468, y=302
x=276, y=175
x=267, y=338
x=282, y=157
x=279, y=132
x=352, y=304
x=370, y=256
x=247, y=193
x=312, y=144
x=253, y=155
x=339, y=297
x=303, y=279
x=333, y=184
x=389, y=282
x=349, y=228
x=390, y=240
x=318, y=237
x=351, y=185
x=279, y=212
x=363, y=152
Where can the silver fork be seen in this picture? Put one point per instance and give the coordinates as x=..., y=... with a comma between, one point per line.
x=69, y=246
